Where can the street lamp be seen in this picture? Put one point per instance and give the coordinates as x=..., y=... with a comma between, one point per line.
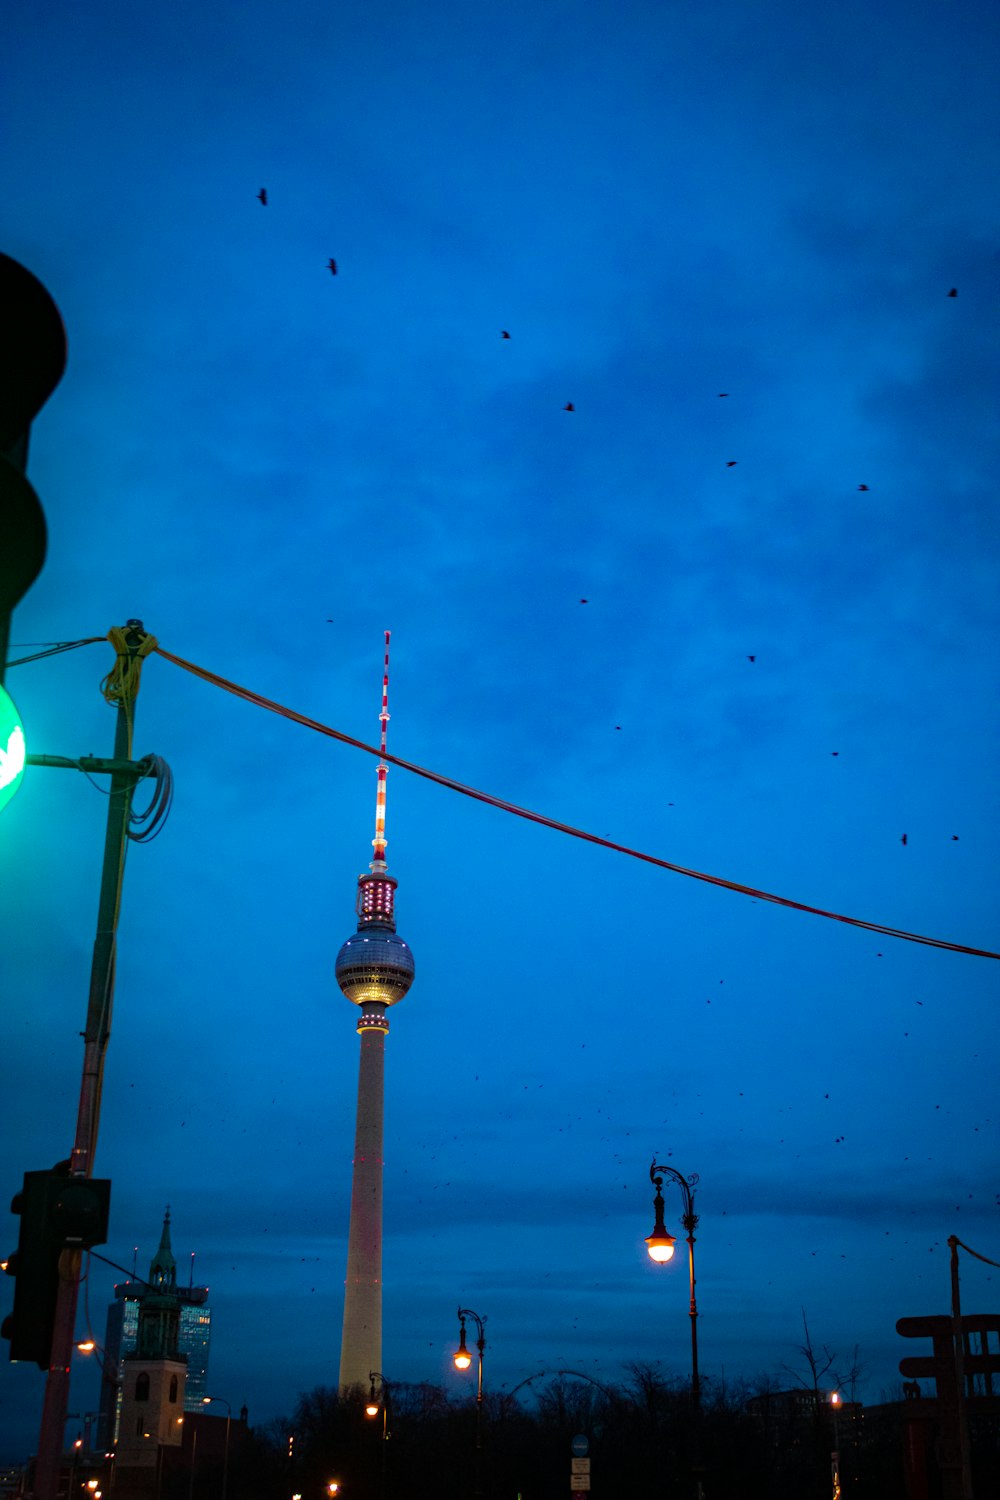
x=207, y=1401
x=463, y=1359
x=660, y=1245
x=379, y=1402
x=110, y=1383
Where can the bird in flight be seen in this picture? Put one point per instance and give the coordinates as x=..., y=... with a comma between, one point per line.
x=953, y=292
x=584, y=601
x=331, y=266
x=504, y=334
x=862, y=486
x=903, y=839
x=723, y=393
x=731, y=463
x=834, y=752
x=569, y=406
x=262, y=195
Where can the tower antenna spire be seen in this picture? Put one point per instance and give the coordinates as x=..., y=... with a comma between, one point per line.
x=378, y=842
x=374, y=970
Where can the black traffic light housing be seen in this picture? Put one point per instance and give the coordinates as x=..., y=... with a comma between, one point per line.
x=58, y=1213
x=32, y=360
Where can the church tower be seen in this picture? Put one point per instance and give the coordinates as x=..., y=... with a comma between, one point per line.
x=374, y=969
x=152, y=1380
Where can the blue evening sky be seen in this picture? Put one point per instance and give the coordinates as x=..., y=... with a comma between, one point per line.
x=270, y=465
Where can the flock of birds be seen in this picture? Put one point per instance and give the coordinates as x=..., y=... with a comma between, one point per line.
x=731, y=463
x=864, y=488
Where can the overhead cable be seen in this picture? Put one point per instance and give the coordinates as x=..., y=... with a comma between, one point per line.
x=578, y=833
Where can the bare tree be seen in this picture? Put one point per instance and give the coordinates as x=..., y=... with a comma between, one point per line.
x=819, y=1362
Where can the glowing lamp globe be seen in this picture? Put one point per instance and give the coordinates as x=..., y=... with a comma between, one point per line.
x=463, y=1359
x=660, y=1246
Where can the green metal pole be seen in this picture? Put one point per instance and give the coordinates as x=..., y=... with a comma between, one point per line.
x=95, y=1042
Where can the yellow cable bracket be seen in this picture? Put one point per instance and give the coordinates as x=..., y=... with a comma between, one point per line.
x=121, y=685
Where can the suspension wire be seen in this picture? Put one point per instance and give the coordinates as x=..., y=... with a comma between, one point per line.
x=55, y=648
x=578, y=833
x=976, y=1253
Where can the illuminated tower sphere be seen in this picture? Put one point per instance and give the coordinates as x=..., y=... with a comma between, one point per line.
x=374, y=970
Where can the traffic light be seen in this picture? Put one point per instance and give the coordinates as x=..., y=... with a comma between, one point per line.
x=35, y=1267
x=78, y=1209
x=58, y=1213
x=12, y=748
x=32, y=360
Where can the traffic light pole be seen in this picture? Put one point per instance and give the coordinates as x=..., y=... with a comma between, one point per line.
x=124, y=778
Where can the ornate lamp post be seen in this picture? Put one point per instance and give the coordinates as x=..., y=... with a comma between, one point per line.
x=463, y=1359
x=660, y=1245
x=207, y=1401
x=378, y=1401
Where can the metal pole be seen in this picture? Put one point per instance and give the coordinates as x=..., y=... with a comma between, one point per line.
x=225, y=1461
x=385, y=1434
x=690, y=1221
x=463, y=1313
x=194, y=1450
x=102, y=981
x=695, y=1378
x=481, y=1345
x=958, y=1339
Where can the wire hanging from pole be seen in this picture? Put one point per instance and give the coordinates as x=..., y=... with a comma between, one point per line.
x=145, y=825
x=578, y=833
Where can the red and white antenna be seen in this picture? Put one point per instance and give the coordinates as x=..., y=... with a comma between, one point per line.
x=378, y=842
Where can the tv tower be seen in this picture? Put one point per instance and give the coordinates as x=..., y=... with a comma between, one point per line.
x=374, y=970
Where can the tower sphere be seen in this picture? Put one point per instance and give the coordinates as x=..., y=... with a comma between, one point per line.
x=375, y=965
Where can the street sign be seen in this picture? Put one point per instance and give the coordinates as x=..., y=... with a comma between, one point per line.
x=581, y=1484
x=579, y=1465
x=580, y=1446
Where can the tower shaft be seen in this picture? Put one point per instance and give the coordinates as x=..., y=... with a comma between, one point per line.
x=361, y=1345
x=374, y=970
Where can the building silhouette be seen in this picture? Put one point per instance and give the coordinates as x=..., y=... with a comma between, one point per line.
x=152, y=1378
x=374, y=969
x=193, y=1337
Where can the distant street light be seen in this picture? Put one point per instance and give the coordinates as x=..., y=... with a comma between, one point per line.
x=207, y=1401
x=660, y=1245
x=379, y=1402
x=463, y=1359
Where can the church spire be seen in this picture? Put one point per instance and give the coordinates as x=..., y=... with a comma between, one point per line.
x=163, y=1267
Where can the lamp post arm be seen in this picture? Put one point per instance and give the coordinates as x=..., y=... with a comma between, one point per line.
x=466, y=1312
x=686, y=1185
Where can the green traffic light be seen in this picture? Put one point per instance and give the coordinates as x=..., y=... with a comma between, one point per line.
x=12, y=748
